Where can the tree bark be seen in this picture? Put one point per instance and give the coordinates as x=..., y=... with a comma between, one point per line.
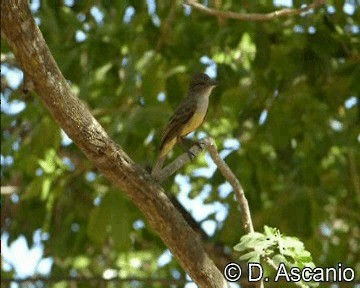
x=28, y=45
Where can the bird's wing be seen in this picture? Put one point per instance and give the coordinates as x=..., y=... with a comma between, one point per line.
x=181, y=116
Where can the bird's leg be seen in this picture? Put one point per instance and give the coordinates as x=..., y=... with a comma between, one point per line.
x=200, y=144
x=184, y=142
x=191, y=142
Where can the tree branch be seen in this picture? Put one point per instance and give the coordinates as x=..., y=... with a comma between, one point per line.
x=7, y=190
x=180, y=161
x=234, y=182
x=27, y=43
x=209, y=144
x=253, y=16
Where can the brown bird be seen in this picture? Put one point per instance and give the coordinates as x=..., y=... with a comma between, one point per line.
x=188, y=116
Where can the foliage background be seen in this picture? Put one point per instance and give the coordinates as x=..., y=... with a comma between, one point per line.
x=286, y=116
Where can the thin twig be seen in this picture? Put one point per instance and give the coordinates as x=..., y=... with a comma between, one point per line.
x=253, y=16
x=234, y=182
x=8, y=190
x=180, y=161
x=270, y=262
x=209, y=144
x=165, y=30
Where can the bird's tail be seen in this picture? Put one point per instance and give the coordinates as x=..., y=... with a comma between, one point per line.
x=158, y=165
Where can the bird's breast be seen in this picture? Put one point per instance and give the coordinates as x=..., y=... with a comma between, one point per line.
x=198, y=117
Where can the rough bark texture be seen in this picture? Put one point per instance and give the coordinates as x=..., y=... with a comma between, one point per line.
x=32, y=53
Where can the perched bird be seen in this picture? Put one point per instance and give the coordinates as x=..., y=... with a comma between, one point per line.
x=188, y=116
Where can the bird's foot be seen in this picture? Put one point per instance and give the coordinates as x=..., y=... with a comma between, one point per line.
x=201, y=144
x=191, y=155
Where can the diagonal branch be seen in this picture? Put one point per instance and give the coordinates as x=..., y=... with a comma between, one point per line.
x=253, y=16
x=180, y=161
x=209, y=144
x=31, y=52
x=234, y=182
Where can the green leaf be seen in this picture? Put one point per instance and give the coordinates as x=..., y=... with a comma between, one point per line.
x=106, y=220
x=34, y=189
x=98, y=224
x=45, y=189
x=253, y=256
